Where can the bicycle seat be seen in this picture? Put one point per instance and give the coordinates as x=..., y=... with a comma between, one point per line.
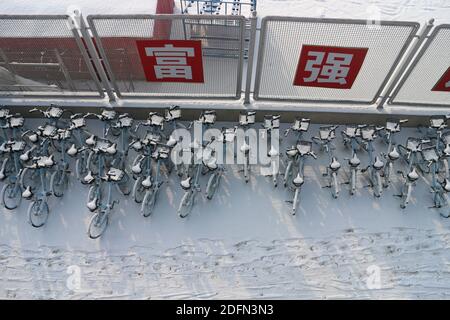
x=298, y=181
x=446, y=185
x=394, y=155
x=304, y=147
x=208, y=117
x=245, y=147
x=4, y=113
x=155, y=119
x=334, y=164
x=114, y=174
x=446, y=137
x=378, y=163
x=412, y=175
x=107, y=115
x=211, y=164
x=292, y=152
x=247, y=118
x=301, y=125
x=186, y=183
x=354, y=161
x=16, y=122
x=55, y=112
x=173, y=113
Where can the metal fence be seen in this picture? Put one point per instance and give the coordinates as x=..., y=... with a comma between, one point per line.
x=61, y=56
x=427, y=81
x=283, y=39
x=44, y=56
x=221, y=39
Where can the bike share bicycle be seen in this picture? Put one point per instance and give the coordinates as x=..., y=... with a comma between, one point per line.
x=351, y=135
x=300, y=126
x=326, y=135
x=191, y=184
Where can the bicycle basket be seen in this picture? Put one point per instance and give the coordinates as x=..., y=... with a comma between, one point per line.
x=55, y=112
x=304, y=147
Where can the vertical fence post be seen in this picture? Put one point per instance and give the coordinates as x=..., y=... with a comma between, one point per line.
x=81, y=25
x=250, y=55
x=422, y=35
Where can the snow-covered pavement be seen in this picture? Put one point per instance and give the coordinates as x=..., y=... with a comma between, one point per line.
x=242, y=244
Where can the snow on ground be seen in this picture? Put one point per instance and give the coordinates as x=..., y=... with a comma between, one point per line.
x=416, y=10
x=242, y=244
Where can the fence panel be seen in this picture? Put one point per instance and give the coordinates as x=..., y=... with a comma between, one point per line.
x=43, y=56
x=427, y=82
x=178, y=56
x=328, y=60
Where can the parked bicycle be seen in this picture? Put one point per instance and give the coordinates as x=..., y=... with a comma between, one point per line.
x=351, y=136
x=39, y=192
x=300, y=126
x=246, y=120
x=271, y=125
x=299, y=153
x=368, y=135
x=10, y=171
x=191, y=184
x=326, y=135
x=100, y=219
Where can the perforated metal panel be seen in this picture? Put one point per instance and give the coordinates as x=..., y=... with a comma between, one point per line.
x=282, y=40
x=433, y=62
x=42, y=56
x=222, y=53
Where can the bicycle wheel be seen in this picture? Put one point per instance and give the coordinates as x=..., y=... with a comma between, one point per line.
x=387, y=175
x=27, y=178
x=148, y=204
x=92, y=163
x=406, y=196
x=38, y=213
x=124, y=185
x=334, y=185
x=11, y=196
x=353, y=182
x=59, y=181
x=186, y=204
x=138, y=190
x=81, y=168
x=377, y=184
x=98, y=224
x=288, y=174
x=295, y=201
x=211, y=186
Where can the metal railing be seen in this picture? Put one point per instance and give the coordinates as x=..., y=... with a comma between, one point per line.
x=44, y=56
